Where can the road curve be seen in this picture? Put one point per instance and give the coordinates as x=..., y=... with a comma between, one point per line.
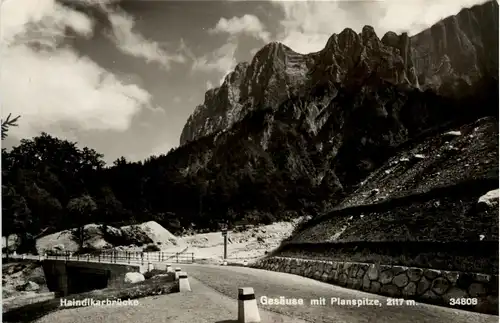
x=213, y=300
x=202, y=305
x=226, y=279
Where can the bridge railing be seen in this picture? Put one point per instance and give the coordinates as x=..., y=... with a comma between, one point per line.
x=114, y=256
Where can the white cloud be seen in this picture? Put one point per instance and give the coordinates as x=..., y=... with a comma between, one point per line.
x=209, y=85
x=248, y=25
x=254, y=51
x=222, y=79
x=307, y=25
x=415, y=15
x=221, y=60
x=54, y=85
x=185, y=50
x=135, y=44
x=15, y=15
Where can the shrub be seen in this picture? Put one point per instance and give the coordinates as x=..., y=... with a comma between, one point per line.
x=85, y=250
x=155, y=272
x=151, y=248
x=268, y=218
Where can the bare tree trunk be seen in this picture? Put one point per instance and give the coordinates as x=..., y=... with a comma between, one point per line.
x=81, y=236
x=7, y=247
x=41, y=233
x=104, y=231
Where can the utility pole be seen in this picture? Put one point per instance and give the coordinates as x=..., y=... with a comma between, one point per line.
x=200, y=205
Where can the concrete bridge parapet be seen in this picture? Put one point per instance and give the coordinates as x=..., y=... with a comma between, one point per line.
x=71, y=277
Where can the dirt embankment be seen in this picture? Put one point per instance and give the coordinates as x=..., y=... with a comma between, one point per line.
x=246, y=245
x=22, y=279
x=148, y=236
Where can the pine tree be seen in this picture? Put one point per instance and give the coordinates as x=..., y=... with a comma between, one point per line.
x=8, y=123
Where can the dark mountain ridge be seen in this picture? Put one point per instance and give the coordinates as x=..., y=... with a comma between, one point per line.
x=349, y=106
x=447, y=58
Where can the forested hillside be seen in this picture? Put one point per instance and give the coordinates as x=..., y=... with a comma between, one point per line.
x=49, y=184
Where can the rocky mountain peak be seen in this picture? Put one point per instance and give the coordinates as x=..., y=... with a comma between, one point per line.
x=455, y=52
x=368, y=33
x=272, y=49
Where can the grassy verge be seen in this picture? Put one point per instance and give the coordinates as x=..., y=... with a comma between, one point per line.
x=153, y=286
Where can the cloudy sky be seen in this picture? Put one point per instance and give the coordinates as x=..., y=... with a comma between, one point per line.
x=122, y=77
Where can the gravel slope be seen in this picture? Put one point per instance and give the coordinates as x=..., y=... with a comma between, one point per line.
x=443, y=159
x=249, y=244
x=137, y=237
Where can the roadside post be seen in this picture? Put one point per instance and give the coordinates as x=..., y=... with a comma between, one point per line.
x=224, y=234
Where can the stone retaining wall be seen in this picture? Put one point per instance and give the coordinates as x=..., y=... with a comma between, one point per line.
x=425, y=285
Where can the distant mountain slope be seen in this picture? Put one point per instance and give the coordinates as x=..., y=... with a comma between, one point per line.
x=448, y=57
x=304, y=130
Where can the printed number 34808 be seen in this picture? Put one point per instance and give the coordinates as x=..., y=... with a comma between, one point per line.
x=463, y=301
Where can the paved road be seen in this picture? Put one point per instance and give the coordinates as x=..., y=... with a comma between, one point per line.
x=203, y=305
x=274, y=284
x=213, y=300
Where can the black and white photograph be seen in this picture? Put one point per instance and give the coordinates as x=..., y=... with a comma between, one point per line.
x=232, y=161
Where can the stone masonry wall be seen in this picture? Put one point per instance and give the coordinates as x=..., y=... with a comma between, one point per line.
x=423, y=285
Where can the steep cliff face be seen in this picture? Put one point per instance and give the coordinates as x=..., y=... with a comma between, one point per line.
x=292, y=133
x=458, y=49
x=448, y=58
x=265, y=82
